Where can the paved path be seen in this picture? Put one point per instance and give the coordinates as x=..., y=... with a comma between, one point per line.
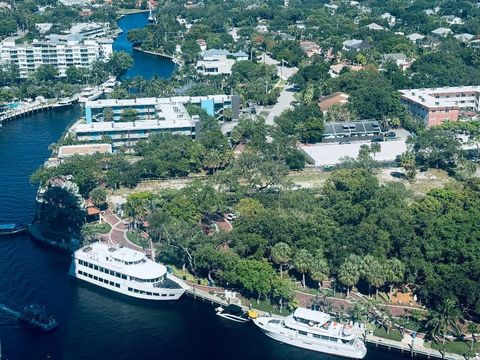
x=286, y=97
x=118, y=233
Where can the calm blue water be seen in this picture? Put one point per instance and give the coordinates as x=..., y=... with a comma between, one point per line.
x=145, y=65
x=96, y=324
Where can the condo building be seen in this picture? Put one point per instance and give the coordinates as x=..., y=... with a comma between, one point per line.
x=151, y=115
x=437, y=105
x=60, y=51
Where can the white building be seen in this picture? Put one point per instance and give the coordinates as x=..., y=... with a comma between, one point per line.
x=61, y=51
x=442, y=31
x=390, y=18
x=218, y=62
x=375, y=27
x=152, y=115
x=90, y=30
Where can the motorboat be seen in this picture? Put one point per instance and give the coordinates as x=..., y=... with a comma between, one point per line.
x=233, y=312
x=316, y=331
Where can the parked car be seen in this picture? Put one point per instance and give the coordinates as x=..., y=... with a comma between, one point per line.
x=391, y=134
x=377, y=140
x=345, y=142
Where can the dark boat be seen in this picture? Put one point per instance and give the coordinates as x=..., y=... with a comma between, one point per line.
x=36, y=316
x=10, y=229
x=233, y=312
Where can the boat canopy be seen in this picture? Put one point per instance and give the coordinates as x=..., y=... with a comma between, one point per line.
x=311, y=315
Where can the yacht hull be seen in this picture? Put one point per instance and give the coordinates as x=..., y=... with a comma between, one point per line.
x=309, y=343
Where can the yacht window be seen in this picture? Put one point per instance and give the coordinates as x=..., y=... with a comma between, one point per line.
x=302, y=333
x=164, y=294
x=117, y=285
x=130, y=289
x=149, y=293
x=124, y=277
x=95, y=267
x=171, y=294
x=156, y=294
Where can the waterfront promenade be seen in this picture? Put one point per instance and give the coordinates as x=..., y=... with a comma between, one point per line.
x=29, y=108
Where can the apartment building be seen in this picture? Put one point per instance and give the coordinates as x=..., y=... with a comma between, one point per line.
x=152, y=115
x=437, y=105
x=60, y=51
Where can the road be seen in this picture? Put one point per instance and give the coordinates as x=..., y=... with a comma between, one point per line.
x=286, y=95
x=283, y=103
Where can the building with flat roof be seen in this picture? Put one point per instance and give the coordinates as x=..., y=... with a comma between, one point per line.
x=218, y=62
x=437, y=105
x=161, y=108
x=90, y=30
x=60, y=51
x=84, y=149
x=349, y=130
x=152, y=115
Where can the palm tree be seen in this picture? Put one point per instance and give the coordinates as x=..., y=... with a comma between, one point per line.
x=302, y=262
x=319, y=270
x=441, y=321
x=349, y=272
x=281, y=254
x=472, y=329
x=376, y=276
x=375, y=148
x=357, y=312
x=394, y=273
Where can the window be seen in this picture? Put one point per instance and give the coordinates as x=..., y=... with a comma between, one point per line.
x=117, y=285
x=95, y=278
x=302, y=333
x=164, y=294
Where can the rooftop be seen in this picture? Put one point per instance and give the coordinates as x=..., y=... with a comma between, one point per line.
x=137, y=125
x=311, y=315
x=427, y=96
x=70, y=150
x=124, y=260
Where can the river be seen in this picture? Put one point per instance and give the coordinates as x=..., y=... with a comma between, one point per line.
x=144, y=65
x=94, y=323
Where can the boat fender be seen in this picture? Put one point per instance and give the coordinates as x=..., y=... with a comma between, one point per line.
x=310, y=323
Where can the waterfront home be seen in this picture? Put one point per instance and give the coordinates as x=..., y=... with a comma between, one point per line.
x=218, y=62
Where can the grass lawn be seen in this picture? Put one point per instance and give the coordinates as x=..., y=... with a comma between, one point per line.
x=457, y=347
x=394, y=334
x=103, y=228
x=266, y=306
x=137, y=239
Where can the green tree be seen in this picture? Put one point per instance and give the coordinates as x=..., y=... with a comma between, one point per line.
x=45, y=72
x=108, y=114
x=442, y=321
x=302, y=262
x=129, y=115
x=98, y=196
x=281, y=254
x=119, y=62
x=349, y=272
x=394, y=272
x=407, y=161
x=375, y=275
x=319, y=270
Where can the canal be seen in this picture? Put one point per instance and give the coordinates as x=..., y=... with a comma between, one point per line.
x=97, y=324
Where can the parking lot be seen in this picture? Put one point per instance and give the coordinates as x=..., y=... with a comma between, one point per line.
x=333, y=153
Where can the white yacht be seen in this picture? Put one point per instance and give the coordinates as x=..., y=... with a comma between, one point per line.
x=125, y=271
x=315, y=330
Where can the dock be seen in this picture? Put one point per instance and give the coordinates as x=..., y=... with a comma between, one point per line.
x=415, y=350
x=34, y=108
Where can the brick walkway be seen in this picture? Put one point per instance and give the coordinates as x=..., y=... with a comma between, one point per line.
x=118, y=233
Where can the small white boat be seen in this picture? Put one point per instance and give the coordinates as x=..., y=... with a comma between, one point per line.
x=232, y=312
